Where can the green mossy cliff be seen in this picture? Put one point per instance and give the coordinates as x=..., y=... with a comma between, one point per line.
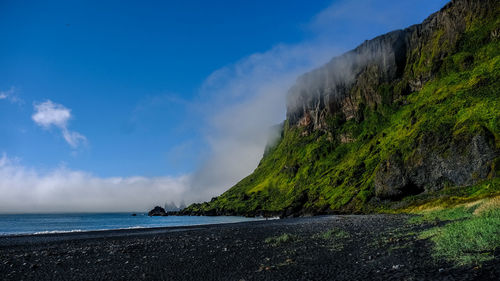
x=410, y=116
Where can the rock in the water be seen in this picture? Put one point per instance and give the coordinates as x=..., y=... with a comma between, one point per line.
x=157, y=211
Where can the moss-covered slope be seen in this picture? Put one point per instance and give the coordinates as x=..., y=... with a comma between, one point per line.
x=407, y=117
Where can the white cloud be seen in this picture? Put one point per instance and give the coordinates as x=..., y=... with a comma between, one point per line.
x=10, y=95
x=73, y=138
x=48, y=114
x=26, y=189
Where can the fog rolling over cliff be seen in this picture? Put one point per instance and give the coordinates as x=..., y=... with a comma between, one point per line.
x=409, y=114
x=320, y=92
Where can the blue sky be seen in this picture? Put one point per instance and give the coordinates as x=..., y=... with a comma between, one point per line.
x=163, y=89
x=105, y=61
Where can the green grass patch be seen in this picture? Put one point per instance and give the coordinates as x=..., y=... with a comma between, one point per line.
x=279, y=240
x=334, y=238
x=453, y=214
x=470, y=234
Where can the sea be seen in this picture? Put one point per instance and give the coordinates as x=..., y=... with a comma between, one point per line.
x=61, y=223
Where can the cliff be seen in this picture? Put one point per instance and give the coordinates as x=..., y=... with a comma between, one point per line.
x=409, y=115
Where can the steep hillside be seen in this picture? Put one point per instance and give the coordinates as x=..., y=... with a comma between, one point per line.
x=406, y=118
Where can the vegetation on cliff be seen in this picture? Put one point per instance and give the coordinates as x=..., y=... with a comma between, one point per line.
x=425, y=131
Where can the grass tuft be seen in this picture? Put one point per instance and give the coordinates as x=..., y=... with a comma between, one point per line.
x=333, y=234
x=279, y=240
x=334, y=238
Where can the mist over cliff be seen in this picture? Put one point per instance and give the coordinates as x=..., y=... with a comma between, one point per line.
x=407, y=113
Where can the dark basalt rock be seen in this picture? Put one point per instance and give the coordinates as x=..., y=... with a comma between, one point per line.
x=461, y=161
x=392, y=181
x=437, y=162
x=157, y=211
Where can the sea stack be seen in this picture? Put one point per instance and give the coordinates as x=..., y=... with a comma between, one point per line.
x=157, y=211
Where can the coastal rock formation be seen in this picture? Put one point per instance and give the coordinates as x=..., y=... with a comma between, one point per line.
x=409, y=113
x=157, y=211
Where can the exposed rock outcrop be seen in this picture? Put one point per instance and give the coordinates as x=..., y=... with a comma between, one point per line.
x=436, y=163
x=157, y=211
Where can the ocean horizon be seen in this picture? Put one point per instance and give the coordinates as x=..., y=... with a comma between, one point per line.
x=22, y=224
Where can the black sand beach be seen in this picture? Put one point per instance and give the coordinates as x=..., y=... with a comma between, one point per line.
x=364, y=247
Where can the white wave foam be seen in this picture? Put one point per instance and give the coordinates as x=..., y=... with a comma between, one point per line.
x=57, y=231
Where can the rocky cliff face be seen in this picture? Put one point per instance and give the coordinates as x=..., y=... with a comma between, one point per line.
x=344, y=85
x=407, y=58
x=461, y=162
x=414, y=111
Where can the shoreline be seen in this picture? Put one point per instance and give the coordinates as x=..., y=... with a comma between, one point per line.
x=362, y=247
x=133, y=226
x=9, y=239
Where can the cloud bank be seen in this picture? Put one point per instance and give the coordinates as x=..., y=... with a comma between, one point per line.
x=48, y=114
x=27, y=190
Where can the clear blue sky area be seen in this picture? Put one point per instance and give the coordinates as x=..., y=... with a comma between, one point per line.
x=126, y=69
